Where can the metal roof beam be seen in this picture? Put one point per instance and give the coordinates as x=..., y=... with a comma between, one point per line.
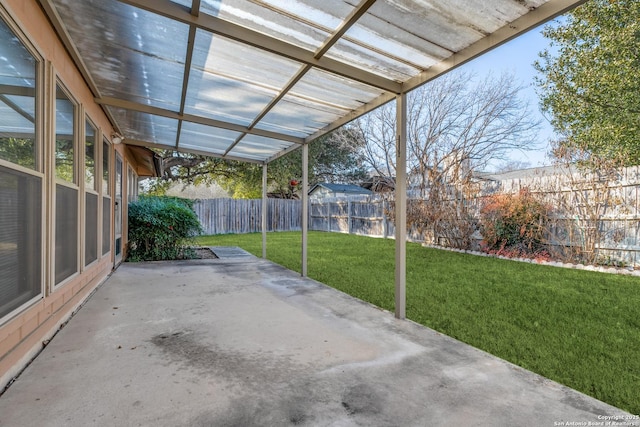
x=352, y=115
x=140, y=143
x=15, y=107
x=195, y=7
x=350, y=20
x=261, y=41
x=290, y=84
x=282, y=153
x=141, y=108
x=185, y=78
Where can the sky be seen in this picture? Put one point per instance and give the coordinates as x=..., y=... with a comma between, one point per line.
x=518, y=56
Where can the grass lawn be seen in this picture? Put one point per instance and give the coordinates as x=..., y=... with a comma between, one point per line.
x=579, y=328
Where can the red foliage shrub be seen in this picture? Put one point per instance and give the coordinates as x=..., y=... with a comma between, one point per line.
x=513, y=224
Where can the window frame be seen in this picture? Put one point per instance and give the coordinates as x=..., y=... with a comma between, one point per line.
x=39, y=170
x=97, y=136
x=76, y=136
x=133, y=181
x=105, y=196
x=76, y=185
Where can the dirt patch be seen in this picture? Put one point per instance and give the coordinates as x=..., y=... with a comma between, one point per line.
x=204, y=253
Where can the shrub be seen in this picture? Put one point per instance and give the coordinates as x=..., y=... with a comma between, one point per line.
x=513, y=224
x=161, y=228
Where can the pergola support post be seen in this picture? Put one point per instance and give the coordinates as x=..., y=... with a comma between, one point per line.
x=264, y=211
x=305, y=206
x=401, y=207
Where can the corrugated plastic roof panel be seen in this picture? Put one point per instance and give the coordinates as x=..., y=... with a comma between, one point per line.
x=306, y=24
x=256, y=147
x=146, y=127
x=318, y=98
x=279, y=72
x=233, y=82
x=131, y=54
x=204, y=138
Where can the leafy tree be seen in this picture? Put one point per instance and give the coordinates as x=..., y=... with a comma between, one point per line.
x=333, y=158
x=65, y=159
x=18, y=150
x=588, y=79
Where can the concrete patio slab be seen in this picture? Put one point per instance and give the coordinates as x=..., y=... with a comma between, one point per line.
x=244, y=342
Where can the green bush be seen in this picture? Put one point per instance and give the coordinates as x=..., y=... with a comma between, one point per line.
x=161, y=228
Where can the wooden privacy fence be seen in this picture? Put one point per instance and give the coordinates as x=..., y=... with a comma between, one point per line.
x=366, y=215
x=363, y=215
x=356, y=215
x=238, y=216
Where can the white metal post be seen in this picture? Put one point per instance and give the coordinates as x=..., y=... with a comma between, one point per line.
x=305, y=206
x=264, y=211
x=401, y=206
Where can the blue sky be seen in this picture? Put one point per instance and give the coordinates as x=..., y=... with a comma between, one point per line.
x=518, y=56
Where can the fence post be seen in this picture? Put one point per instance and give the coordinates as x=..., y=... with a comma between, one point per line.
x=264, y=211
x=401, y=207
x=385, y=225
x=349, y=215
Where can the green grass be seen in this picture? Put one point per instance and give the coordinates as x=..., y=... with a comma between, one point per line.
x=579, y=328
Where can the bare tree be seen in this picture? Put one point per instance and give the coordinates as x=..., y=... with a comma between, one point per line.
x=455, y=126
x=584, y=191
x=452, y=120
x=378, y=130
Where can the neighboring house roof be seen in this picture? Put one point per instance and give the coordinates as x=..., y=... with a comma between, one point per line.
x=340, y=188
x=379, y=184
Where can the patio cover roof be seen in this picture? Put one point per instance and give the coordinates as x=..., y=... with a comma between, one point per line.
x=254, y=79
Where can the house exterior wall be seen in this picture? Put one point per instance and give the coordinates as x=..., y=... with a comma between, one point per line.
x=24, y=330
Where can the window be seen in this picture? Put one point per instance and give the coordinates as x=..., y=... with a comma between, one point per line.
x=132, y=185
x=91, y=228
x=66, y=227
x=117, y=210
x=106, y=199
x=91, y=196
x=65, y=138
x=20, y=238
x=21, y=182
x=18, y=72
x=105, y=167
x=90, y=156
